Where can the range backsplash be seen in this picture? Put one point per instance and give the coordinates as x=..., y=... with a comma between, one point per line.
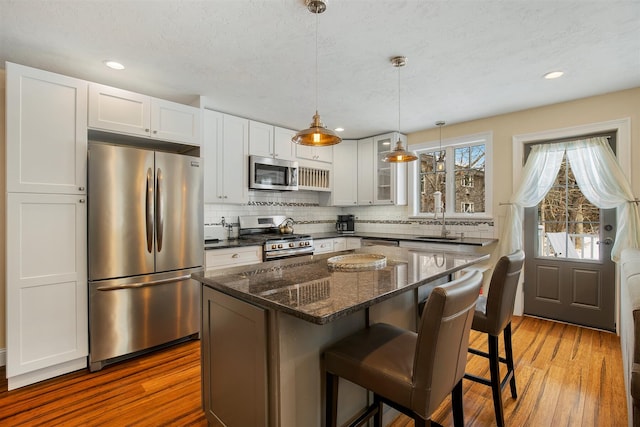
x=310, y=217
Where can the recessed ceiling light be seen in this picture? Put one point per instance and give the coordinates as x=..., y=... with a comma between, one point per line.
x=339, y=129
x=113, y=65
x=553, y=75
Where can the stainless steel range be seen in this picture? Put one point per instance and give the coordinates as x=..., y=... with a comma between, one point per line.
x=276, y=245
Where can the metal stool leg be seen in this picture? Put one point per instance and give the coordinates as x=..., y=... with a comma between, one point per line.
x=331, y=400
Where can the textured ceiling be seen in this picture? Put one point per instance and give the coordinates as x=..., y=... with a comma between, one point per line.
x=466, y=59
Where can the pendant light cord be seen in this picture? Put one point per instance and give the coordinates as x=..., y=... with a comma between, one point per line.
x=316, y=61
x=399, y=99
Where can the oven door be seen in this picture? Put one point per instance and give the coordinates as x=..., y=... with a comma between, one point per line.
x=269, y=255
x=266, y=173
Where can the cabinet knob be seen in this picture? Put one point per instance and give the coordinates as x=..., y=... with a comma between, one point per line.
x=155, y=131
x=146, y=130
x=81, y=201
x=219, y=197
x=235, y=256
x=225, y=197
x=81, y=188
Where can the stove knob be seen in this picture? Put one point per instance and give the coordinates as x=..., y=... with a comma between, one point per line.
x=291, y=245
x=307, y=244
x=301, y=244
x=273, y=246
x=279, y=245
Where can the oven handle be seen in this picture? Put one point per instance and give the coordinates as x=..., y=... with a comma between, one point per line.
x=143, y=284
x=288, y=253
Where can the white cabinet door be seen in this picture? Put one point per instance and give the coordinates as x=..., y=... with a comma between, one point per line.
x=354, y=242
x=233, y=161
x=323, y=246
x=345, y=174
x=283, y=147
x=320, y=154
x=171, y=121
x=119, y=110
x=366, y=163
x=47, y=329
x=390, y=179
x=46, y=132
x=225, y=144
x=261, y=139
x=339, y=244
x=211, y=138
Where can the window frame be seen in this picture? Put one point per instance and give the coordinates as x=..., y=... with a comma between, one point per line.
x=449, y=144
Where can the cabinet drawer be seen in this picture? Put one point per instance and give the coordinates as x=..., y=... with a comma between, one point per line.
x=323, y=246
x=220, y=258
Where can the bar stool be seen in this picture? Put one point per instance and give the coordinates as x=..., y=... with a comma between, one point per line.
x=410, y=372
x=493, y=316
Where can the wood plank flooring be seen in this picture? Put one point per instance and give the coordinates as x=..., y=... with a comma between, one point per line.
x=566, y=375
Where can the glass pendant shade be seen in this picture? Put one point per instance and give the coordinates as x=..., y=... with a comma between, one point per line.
x=317, y=134
x=399, y=155
x=440, y=165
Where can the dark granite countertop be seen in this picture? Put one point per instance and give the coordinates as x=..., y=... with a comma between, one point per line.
x=470, y=241
x=306, y=287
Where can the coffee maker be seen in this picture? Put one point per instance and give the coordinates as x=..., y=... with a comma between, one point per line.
x=345, y=224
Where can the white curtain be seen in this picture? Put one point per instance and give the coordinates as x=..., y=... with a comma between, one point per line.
x=602, y=182
x=599, y=177
x=538, y=175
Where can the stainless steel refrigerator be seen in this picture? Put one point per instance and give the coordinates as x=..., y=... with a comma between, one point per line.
x=145, y=237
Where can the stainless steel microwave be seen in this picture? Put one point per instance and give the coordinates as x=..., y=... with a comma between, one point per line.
x=266, y=173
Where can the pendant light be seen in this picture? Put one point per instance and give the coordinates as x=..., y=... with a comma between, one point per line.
x=399, y=154
x=317, y=134
x=440, y=166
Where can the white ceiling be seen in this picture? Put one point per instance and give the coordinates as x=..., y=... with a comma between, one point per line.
x=466, y=59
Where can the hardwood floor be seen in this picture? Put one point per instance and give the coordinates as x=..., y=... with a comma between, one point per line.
x=566, y=375
x=159, y=389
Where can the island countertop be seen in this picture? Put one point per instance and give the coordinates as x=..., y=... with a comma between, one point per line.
x=307, y=287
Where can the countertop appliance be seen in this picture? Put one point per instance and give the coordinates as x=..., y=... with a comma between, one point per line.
x=267, y=173
x=145, y=217
x=346, y=224
x=265, y=230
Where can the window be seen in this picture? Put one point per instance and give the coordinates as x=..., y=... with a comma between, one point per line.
x=465, y=181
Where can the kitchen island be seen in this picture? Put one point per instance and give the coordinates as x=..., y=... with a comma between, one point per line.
x=264, y=328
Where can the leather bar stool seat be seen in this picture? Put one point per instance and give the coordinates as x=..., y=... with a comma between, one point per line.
x=412, y=372
x=493, y=317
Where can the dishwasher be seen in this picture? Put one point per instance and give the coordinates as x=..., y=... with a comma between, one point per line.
x=379, y=242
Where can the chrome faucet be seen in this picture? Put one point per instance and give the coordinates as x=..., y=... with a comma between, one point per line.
x=444, y=232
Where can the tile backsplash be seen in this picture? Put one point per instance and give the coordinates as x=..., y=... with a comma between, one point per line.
x=310, y=217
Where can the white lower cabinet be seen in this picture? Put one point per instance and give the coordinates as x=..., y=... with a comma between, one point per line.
x=231, y=257
x=353, y=242
x=47, y=326
x=322, y=246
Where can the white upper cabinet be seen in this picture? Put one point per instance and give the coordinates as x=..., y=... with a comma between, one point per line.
x=366, y=164
x=380, y=183
x=320, y=154
x=46, y=132
x=345, y=174
x=260, y=139
x=283, y=147
x=270, y=141
x=390, y=179
x=121, y=111
x=225, y=148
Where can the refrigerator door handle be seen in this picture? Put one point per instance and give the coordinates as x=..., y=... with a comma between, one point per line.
x=143, y=284
x=149, y=210
x=159, y=206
